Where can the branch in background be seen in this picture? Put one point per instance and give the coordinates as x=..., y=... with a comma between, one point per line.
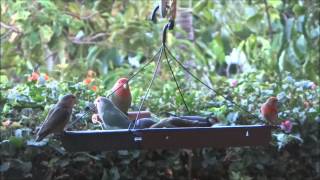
x=81, y=17
x=13, y=31
x=268, y=18
x=89, y=39
x=11, y=28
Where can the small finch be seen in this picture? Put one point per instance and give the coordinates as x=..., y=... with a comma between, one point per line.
x=122, y=95
x=57, y=117
x=269, y=110
x=111, y=116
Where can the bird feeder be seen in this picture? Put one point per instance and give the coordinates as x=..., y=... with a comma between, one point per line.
x=168, y=138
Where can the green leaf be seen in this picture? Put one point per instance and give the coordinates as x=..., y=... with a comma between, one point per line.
x=93, y=52
x=16, y=141
x=218, y=49
x=45, y=33
x=23, y=15
x=301, y=45
x=298, y=10
x=200, y=5
x=3, y=79
x=254, y=22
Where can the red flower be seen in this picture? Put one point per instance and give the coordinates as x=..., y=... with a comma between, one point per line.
x=286, y=126
x=87, y=81
x=46, y=77
x=34, y=76
x=94, y=88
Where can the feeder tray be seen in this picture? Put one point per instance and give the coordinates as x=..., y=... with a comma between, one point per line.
x=167, y=138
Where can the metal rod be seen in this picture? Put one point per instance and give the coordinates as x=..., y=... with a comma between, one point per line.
x=196, y=78
x=175, y=80
x=148, y=89
x=137, y=72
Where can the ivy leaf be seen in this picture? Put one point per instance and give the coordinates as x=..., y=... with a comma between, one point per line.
x=45, y=33
x=254, y=21
x=298, y=10
x=218, y=49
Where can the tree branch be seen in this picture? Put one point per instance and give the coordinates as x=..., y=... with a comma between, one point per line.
x=81, y=17
x=88, y=40
x=11, y=28
x=268, y=18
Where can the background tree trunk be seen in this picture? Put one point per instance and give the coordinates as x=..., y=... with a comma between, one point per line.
x=184, y=20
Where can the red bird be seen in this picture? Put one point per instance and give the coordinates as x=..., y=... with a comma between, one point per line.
x=122, y=95
x=269, y=110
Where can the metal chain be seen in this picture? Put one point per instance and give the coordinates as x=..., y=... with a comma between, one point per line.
x=137, y=72
x=175, y=80
x=149, y=87
x=196, y=78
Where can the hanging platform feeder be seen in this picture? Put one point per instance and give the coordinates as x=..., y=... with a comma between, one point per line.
x=167, y=138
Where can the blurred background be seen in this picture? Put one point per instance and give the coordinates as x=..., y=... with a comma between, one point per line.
x=247, y=50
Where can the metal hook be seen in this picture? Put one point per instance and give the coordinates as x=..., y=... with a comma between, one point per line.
x=163, y=7
x=154, y=14
x=164, y=33
x=170, y=26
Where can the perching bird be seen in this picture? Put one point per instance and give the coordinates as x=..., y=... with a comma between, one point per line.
x=269, y=110
x=122, y=95
x=57, y=117
x=111, y=116
x=144, y=123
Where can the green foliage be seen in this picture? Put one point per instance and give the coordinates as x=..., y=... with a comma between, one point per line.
x=289, y=43
x=233, y=163
x=75, y=36
x=114, y=38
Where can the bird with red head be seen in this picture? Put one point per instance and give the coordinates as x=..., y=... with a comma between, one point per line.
x=269, y=110
x=122, y=95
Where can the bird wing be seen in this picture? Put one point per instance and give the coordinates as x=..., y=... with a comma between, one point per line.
x=119, y=118
x=49, y=113
x=56, y=120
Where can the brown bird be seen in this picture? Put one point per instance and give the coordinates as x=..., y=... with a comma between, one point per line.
x=122, y=95
x=269, y=110
x=57, y=117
